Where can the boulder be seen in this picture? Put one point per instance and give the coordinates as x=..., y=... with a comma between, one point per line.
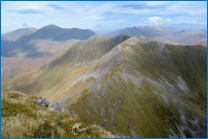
x=65, y=111
x=41, y=101
x=77, y=127
x=55, y=106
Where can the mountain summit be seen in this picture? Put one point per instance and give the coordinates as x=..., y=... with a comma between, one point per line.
x=56, y=33
x=36, y=47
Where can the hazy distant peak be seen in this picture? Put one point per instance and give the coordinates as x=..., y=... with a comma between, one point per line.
x=31, y=28
x=184, y=30
x=53, y=32
x=51, y=26
x=18, y=33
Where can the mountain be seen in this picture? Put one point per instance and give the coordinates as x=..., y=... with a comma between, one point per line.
x=183, y=36
x=56, y=33
x=133, y=87
x=49, y=33
x=30, y=55
x=37, y=48
x=16, y=34
x=79, y=56
x=201, y=42
x=148, y=31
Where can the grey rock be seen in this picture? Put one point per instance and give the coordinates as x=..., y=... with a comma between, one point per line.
x=77, y=127
x=41, y=101
x=66, y=111
x=55, y=106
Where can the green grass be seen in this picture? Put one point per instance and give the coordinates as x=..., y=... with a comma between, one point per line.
x=23, y=118
x=122, y=107
x=10, y=109
x=129, y=108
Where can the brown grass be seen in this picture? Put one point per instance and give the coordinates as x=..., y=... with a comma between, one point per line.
x=23, y=118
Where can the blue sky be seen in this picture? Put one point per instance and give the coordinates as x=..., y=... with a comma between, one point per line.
x=103, y=16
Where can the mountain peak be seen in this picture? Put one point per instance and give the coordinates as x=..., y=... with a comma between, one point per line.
x=51, y=26
x=18, y=33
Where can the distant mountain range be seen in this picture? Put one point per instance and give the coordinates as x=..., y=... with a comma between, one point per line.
x=51, y=32
x=56, y=33
x=36, y=47
x=183, y=36
x=131, y=86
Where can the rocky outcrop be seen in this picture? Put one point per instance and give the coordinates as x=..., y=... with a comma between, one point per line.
x=41, y=101
x=55, y=105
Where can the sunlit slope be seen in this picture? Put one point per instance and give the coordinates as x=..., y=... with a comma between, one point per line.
x=22, y=118
x=140, y=88
x=147, y=89
x=64, y=68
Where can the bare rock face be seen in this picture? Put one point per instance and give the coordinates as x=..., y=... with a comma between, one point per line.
x=41, y=101
x=55, y=106
x=63, y=110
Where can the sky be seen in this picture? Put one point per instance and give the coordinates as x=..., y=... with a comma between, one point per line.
x=103, y=16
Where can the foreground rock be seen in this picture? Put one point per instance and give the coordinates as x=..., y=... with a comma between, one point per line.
x=55, y=106
x=77, y=127
x=41, y=101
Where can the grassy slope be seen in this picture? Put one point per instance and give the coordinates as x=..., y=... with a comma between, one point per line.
x=65, y=68
x=134, y=90
x=22, y=118
x=150, y=109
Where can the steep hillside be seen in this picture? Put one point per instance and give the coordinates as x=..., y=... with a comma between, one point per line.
x=50, y=33
x=147, y=90
x=31, y=55
x=28, y=48
x=22, y=118
x=139, y=88
x=76, y=60
x=183, y=36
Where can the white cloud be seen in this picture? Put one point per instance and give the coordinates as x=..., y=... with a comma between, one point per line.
x=154, y=19
x=158, y=3
x=111, y=15
x=168, y=19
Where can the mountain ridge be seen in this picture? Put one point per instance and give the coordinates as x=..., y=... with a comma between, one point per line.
x=181, y=37
x=37, y=48
x=137, y=76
